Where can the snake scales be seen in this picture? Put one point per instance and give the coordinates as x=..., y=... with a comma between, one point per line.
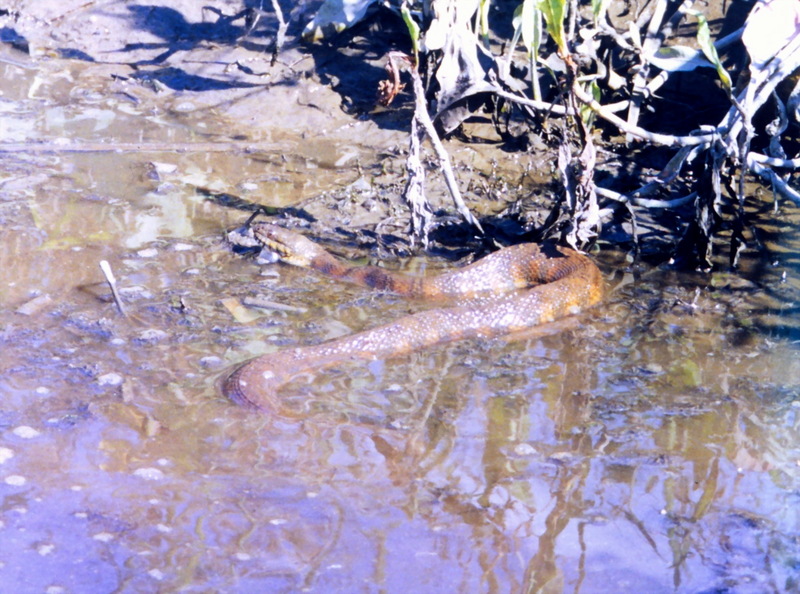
x=512, y=289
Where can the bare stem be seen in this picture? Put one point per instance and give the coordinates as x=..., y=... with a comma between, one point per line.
x=421, y=113
x=112, y=282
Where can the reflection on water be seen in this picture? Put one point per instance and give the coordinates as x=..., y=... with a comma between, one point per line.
x=587, y=460
x=650, y=448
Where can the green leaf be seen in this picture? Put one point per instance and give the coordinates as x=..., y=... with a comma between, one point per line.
x=528, y=24
x=554, y=12
x=483, y=12
x=413, y=31
x=535, y=28
x=599, y=8
x=531, y=27
x=707, y=46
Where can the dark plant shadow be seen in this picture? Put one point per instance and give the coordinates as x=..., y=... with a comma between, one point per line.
x=246, y=28
x=10, y=36
x=178, y=34
x=179, y=80
x=352, y=64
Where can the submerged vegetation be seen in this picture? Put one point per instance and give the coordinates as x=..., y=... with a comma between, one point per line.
x=711, y=98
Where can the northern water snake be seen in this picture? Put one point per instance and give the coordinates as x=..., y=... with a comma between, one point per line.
x=512, y=289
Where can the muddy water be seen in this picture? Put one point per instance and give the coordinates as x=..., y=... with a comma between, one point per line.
x=649, y=446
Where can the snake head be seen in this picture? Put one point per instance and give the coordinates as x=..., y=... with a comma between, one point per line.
x=285, y=245
x=244, y=240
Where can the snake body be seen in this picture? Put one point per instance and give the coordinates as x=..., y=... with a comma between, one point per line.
x=512, y=289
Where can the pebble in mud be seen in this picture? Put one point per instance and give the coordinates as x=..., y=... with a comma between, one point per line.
x=135, y=292
x=109, y=379
x=149, y=474
x=211, y=362
x=151, y=336
x=183, y=247
x=6, y=454
x=147, y=253
x=45, y=549
x=25, y=432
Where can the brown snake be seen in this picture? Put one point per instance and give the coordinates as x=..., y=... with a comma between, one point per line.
x=512, y=289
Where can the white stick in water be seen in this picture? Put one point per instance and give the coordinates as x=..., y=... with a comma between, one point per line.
x=112, y=282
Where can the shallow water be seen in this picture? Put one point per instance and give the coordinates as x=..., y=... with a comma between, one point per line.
x=651, y=445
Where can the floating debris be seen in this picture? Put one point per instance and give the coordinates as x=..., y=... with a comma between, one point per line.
x=240, y=313
x=35, y=305
x=262, y=303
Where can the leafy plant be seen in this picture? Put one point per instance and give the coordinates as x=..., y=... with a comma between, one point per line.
x=596, y=69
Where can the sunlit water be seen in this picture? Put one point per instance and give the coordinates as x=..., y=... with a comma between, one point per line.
x=651, y=446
